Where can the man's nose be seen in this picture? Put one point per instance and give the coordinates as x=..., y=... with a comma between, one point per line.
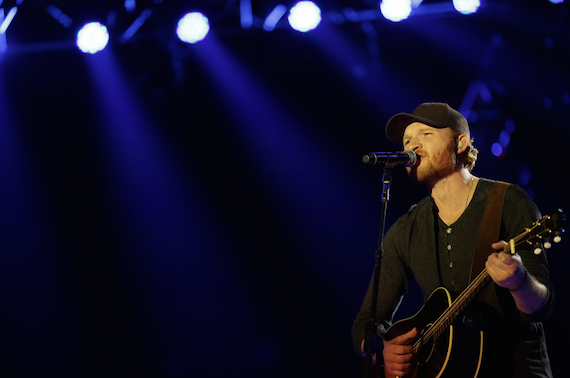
x=413, y=145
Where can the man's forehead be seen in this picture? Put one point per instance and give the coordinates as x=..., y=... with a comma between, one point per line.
x=418, y=126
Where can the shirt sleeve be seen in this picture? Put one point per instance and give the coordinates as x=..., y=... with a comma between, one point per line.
x=520, y=212
x=393, y=285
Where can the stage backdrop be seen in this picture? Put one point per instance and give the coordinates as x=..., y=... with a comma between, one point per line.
x=175, y=210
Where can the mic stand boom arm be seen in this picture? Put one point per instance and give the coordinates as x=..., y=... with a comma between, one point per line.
x=370, y=344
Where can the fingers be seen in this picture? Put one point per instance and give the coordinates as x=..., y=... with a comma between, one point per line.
x=507, y=258
x=498, y=246
x=405, y=338
x=505, y=270
x=398, y=354
x=399, y=365
x=504, y=261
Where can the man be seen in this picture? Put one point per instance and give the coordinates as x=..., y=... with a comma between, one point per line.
x=434, y=244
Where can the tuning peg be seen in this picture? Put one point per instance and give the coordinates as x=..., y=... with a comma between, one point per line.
x=547, y=245
x=537, y=250
x=557, y=239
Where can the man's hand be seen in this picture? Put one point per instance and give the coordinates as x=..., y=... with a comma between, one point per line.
x=506, y=270
x=398, y=356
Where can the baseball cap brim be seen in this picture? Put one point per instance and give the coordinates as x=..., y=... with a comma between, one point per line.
x=398, y=123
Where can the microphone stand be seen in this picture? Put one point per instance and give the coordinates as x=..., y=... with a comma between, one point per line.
x=371, y=340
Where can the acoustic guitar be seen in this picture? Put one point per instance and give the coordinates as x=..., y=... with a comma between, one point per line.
x=437, y=351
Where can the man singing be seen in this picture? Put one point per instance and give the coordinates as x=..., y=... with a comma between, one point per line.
x=434, y=244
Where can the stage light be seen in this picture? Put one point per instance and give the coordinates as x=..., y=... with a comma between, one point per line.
x=504, y=138
x=497, y=150
x=566, y=98
x=466, y=6
x=273, y=18
x=396, y=10
x=59, y=16
x=304, y=16
x=193, y=27
x=136, y=25
x=5, y=21
x=92, y=38
x=547, y=102
x=130, y=6
x=525, y=177
x=246, y=14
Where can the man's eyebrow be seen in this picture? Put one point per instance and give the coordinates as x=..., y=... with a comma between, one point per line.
x=421, y=130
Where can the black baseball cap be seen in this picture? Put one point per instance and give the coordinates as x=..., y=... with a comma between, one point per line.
x=435, y=114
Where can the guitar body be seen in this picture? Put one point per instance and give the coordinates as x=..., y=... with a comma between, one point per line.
x=456, y=352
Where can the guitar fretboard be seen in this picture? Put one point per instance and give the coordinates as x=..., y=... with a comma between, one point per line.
x=462, y=301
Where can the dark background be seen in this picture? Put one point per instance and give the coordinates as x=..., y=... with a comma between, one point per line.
x=172, y=210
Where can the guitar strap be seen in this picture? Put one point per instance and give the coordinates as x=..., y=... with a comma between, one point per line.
x=490, y=228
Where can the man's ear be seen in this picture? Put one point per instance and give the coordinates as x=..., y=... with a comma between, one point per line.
x=462, y=143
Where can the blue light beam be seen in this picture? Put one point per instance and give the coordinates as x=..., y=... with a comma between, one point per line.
x=274, y=17
x=136, y=25
x=6, y=21
x=246, y=14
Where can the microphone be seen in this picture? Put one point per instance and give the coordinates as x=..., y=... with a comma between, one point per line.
x=391, y=159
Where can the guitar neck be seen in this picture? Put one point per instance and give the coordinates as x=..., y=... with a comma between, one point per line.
x=460, y=303
x=451, y=313
x=541, y=232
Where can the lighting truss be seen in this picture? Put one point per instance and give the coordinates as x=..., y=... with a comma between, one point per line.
x=39, y=25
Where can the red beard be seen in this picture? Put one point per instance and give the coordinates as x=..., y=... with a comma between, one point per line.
x=440, y=165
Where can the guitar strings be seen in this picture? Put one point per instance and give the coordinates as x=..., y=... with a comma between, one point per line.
x=449, y=315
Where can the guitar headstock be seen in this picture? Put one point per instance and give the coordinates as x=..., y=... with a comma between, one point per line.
x=548, y=229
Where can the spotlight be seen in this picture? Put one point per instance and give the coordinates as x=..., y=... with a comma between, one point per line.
x=466, y=6
x=193, y=27
x=304, y=16
x=92, y=38
x=396, y=10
